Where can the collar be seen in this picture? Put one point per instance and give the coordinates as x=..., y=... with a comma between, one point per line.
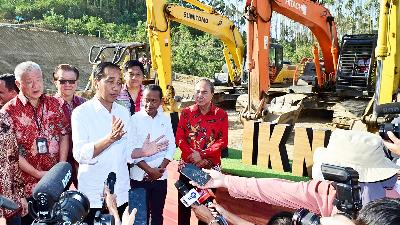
x=75, y=99
x=99, y=107
x=24, y=100
x=142, y=112
x=195, y=108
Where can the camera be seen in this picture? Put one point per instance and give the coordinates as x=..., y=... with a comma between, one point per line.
x=348, y=194
x=71, y=208
x=385, y=127
x=305, y=217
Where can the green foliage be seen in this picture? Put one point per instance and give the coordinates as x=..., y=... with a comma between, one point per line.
x=53, y=21
x=197, y=55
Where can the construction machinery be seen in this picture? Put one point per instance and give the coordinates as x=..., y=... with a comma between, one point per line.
x=387, y=67
x=205, y=18
x=117, y=53
x=340, y=85
x=308, y=13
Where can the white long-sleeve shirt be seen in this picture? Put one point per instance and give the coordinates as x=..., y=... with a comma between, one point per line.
x=141, y=125
x=92, y=122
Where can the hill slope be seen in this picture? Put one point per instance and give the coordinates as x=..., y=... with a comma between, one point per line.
x=46, y=48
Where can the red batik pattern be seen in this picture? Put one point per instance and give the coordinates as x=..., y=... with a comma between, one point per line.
x=207, y=134
x=49, y=123
x=11, y=185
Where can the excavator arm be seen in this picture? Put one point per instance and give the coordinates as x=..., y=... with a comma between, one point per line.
x=159, y=15
x=308, y=13
x=387, y=67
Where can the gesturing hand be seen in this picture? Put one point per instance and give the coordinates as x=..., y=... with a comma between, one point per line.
x=153, y=147
x=117, y=129
x=217, y=180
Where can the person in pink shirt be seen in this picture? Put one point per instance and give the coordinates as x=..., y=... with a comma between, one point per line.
x=362, y=151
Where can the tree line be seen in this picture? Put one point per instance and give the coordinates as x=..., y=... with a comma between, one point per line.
x=195, y=52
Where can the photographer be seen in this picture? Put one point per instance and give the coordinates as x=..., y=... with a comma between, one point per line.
x=360, y=150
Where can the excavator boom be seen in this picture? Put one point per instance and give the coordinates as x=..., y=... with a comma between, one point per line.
x=308, y=13
x=159, y=16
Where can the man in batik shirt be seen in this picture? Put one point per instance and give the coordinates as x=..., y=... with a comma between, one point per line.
x=66, y=77
x=40, y=127
x=11, y=184
x=201, y=135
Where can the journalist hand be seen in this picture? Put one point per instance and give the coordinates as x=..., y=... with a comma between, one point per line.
x=203, y=213
x=128, y=219
x=217, y=180
x=393, y=146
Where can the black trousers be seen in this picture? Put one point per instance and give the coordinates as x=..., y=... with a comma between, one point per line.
x=89, y=219
x=184, y=212
x=156, y=194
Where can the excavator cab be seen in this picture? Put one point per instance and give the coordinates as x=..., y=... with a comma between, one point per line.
x=117, y=53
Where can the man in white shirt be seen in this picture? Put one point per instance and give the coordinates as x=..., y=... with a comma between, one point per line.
x=100, y=141
x=149, y=172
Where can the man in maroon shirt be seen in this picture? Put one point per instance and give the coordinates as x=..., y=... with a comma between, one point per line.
x=201, y=135
x=66, y=77
x=40, y=126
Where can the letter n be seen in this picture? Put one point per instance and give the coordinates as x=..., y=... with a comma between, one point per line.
x=250, y=144
x=306, y=140
x=271, y=146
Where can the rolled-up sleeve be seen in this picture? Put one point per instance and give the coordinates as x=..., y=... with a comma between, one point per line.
x=83, y=148
x=316, y=196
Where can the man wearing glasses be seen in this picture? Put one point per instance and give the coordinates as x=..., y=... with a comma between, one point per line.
x=65, y=77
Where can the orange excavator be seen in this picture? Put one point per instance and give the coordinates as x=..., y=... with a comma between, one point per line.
x=311, y=14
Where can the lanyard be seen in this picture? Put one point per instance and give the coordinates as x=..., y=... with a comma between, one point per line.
x=36, y=118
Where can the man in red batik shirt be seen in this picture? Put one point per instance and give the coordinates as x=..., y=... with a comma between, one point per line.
x=201, y=135
x=40, y=127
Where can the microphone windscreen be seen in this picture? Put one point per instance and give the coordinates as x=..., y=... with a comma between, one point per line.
x=8, y=203
x=54, y=182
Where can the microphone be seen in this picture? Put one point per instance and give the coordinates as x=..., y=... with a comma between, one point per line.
x=54, y=182
x=7, y=203
x=110, y=182
x=192, y=197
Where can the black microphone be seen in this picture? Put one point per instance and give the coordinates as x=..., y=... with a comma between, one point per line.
x=110, y=182
x=49, y=189
x=54, y=182
x=7, y=203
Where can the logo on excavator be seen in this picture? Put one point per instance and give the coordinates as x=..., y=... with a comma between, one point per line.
x=298, y=6
x=195, y=17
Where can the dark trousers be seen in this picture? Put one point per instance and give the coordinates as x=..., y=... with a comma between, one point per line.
x=184, y=212
x=156, y=194
x=89, y=219
x=28, y=219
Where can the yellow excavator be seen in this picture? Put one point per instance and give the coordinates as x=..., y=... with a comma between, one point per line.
x=205, y=18
x=385, y=100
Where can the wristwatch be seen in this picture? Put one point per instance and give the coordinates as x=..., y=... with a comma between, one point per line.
x=213, y=222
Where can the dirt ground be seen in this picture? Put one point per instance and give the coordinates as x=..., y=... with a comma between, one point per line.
x=184, y=86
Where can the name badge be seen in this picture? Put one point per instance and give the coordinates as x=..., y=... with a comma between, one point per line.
x=42, y=145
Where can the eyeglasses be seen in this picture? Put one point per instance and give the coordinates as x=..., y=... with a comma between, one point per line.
x=67, y=81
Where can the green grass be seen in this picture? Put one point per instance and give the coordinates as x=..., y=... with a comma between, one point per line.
x=233, y=165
